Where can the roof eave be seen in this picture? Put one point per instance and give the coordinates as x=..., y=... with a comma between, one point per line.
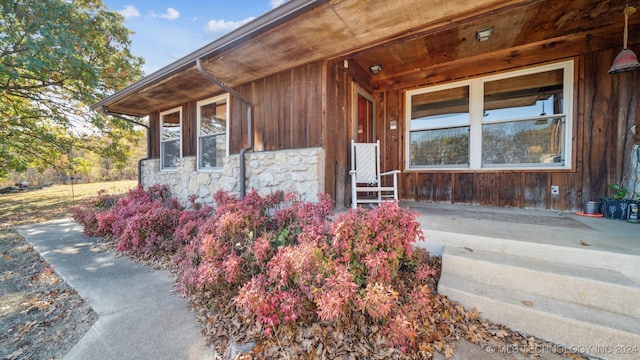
x=260, y=25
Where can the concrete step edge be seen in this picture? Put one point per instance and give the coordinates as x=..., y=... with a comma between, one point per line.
x=598, y=341
x=599, y=294
x=581, y=271
x=626, y=264
x=528, y=302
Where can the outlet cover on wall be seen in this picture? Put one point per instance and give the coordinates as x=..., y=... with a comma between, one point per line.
x=555, y=190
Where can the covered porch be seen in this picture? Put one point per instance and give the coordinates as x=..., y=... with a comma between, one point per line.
x=442, y=222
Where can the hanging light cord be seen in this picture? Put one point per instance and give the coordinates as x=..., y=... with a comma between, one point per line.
x=628, y=10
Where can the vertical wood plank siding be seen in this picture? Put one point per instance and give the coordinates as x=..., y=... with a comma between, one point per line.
x=153, y=136
x=312, y=106
x=337, y=134
x=606, y=107
x=190, y=129
x=287, y=111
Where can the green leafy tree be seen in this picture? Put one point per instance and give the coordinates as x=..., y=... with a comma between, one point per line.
x=57, y=57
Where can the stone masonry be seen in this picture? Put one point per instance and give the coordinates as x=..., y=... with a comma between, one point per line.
x=297, y=170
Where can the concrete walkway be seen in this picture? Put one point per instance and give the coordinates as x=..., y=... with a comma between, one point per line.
x=140, y=316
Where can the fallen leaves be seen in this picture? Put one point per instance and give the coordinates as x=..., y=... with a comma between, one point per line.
x=41, y=316
x=439, y=331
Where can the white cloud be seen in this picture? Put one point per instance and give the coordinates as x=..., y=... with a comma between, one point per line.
x=129, y=11
x=223, y=26
x=275, y=3
x=171, y=14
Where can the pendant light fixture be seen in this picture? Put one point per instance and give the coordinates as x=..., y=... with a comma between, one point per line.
x=543, y=113
x=626, y=59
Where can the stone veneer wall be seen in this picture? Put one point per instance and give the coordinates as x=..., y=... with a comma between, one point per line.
x=298, y=170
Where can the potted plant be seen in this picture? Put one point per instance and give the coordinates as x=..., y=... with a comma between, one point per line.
x=616, y=206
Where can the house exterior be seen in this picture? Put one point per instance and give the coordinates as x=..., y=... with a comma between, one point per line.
x=503, y=103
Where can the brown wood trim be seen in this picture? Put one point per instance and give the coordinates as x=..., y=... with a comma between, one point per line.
x=546, y=51
x=480, y=171
x=154, y=135
x=443, y=24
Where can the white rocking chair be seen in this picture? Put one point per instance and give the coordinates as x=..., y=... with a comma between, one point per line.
x=366, y=176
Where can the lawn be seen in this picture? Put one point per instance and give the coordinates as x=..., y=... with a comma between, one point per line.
x=54, y=202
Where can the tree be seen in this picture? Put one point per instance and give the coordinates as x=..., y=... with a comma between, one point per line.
x=57, y=57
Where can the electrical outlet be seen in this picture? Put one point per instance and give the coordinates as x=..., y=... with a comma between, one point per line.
x=555, y=189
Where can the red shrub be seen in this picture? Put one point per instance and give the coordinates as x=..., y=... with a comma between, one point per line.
x=151, y=231
x=88, y=216
x=346, y=266
x=374, y=242
x=284, y=264
x=222, y=256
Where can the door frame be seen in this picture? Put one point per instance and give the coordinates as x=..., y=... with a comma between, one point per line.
x=359, y=91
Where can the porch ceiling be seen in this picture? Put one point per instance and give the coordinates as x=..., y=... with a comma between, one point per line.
x=405, y=36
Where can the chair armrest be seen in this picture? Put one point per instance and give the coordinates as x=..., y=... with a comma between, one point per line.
x=391, y=172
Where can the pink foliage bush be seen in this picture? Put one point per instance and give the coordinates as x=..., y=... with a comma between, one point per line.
x=221, y=256
x=346, y=266
x=375, y=242
x=88, y=216
x=150, y=230
x=282, y=260
x=143, y=221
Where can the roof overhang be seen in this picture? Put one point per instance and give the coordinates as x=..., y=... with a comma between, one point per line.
x=242, y=34
x=408, y=35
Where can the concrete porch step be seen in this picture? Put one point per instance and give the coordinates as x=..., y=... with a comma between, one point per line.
x=585, y=285
x=573, y=253
x=596, y=332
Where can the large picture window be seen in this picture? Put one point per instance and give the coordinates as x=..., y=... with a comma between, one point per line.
x=212, y=132
x=516, y=120
x=170, y=138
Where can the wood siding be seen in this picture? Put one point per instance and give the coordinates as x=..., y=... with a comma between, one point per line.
x=605, y=109
x=312, y=106
x=287, y=114
x=287, y=111
x=153, y=136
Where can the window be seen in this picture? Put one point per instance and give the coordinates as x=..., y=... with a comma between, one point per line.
x=517, y=120
x=212, y=132
x=440, y=127
x=170, y=138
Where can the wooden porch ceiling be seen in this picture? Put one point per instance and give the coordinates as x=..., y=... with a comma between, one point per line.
x=404, y=36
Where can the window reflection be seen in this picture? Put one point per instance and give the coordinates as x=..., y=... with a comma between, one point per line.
x=440, y=128
x=212, y=135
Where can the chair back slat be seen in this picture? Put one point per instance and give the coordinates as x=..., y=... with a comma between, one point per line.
x=366, y=157
x=365, y=170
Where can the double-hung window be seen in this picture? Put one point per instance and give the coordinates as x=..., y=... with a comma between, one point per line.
x=212, y=132
x=516, y=120
x=170, y=138
x=440, y=127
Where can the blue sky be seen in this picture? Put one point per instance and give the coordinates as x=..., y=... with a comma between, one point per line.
x=166, y=30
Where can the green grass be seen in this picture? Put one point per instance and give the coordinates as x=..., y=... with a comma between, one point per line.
x=53, y=202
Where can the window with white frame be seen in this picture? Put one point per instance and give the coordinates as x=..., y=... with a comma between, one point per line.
x=516, y=120
x=170, y=138
x=212, y=132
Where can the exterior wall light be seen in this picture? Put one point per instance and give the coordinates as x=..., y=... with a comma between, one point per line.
x=375, y=68
x=484, y=34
